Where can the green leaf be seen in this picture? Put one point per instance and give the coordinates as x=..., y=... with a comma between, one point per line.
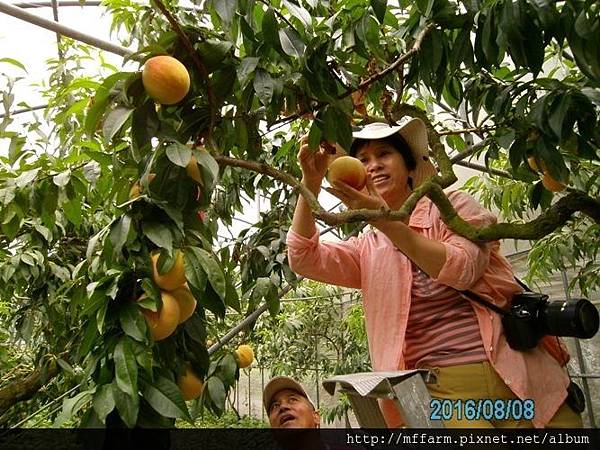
x=194, y=272
x=379, y=8
x=232, y=298
x=101, y=101
x=72, y=211
x=582, y=25
x=216, y=391
x=94, y=241
x=261, y=288
x=14, y=62
x=89, y=337
x=62, y=179
x=213, y=52
x=118, y=234
x=314, y=135
x=164, y=396
x=114, y=120
x=269, y=28
x=336, y=126
x=228, y=368
x=488, y=38
x=25, y=178
x=159, y=234
x=179, y=154
x=212, y=269
x=535, y=194
x=299, y=13
x=425, y=6
x=195, y=328
x=291, y=43
x=225, y=9
x=210, y=300
x=245, y=69
x=222, y=83
x=144, y=126
x=462, y=50
x=127, y=406
x=263, y=86
x=71, y=407
x=104, y=401
x=592, y=94
x=210, y=172
x=516, y=152
x=557, y=114
x=50, y=202
x=126, y=367
x=132, y=321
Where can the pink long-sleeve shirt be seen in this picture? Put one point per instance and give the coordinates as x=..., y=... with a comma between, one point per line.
x=372, y=263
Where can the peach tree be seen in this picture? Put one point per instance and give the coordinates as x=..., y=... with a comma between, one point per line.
x=120, y=177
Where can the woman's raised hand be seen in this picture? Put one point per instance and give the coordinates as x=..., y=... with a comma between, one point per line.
x=313, y=164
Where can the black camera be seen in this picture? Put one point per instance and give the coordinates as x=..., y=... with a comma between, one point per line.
x=532, y=316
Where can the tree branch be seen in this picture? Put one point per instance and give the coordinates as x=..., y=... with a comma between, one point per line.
x=551, y=219
x=401, y=60
x=265, y=169
x=554, y=217
x=466, y=130
x=281, y=16
x=26, y=388
x=469, y=151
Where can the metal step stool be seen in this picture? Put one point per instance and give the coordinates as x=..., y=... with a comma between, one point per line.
x=406, y=387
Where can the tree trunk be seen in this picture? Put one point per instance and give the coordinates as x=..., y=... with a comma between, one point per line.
x=26, y=388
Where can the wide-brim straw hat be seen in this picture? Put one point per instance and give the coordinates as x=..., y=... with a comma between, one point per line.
x=414, y=132
x=280, y=383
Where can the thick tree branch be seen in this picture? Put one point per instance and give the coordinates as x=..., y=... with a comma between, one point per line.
x=554, y=217
x=551, y=219
x=26, y=388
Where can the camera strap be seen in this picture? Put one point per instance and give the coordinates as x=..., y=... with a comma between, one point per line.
x=478, y=299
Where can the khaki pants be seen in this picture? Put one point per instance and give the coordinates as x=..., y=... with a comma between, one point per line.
x=480, y=381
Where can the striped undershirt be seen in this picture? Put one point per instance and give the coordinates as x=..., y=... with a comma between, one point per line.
x=442, y=326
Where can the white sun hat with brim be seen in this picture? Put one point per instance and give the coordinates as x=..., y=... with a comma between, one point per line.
x=414, y=132
x=280, y=383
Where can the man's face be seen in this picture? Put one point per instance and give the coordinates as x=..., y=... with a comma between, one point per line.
x=290, y=409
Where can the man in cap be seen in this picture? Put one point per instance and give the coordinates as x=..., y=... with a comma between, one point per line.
x=288, y=405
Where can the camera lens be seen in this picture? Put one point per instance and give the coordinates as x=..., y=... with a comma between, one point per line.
x=577, y=318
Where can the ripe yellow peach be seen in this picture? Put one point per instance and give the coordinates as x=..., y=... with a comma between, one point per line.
x=349, y=170
x=166, y=79
x=163, y=322
x=245, y=355
x=174, y=278
x=189, y=384
x=186, y=302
